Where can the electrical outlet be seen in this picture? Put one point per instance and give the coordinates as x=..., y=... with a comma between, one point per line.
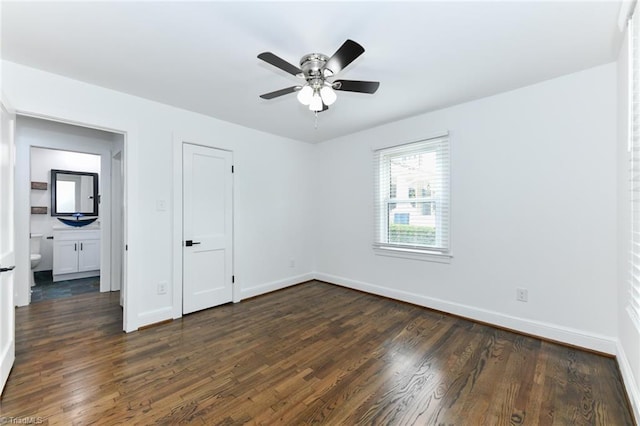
x=522, y=295
x=162, y=287
x=292, y=263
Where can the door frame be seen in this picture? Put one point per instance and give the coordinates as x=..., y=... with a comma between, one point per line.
x=22, y=212
x=117, y=220
x=177, y=199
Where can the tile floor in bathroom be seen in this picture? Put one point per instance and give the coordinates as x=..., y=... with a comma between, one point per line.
x=46, y=289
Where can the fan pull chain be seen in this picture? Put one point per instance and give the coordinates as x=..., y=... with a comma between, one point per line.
x=315, y=126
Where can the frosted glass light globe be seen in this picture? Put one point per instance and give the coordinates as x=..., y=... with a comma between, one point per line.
x=316, y=103
x=305, y=94
x=328, y=95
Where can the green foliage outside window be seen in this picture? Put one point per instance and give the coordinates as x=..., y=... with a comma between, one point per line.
x=412, y=235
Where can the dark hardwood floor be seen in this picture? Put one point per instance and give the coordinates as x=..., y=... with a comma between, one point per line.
x=314, y=353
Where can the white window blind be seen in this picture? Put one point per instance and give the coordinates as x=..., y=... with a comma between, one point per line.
x=634, y=145
x=412, y=196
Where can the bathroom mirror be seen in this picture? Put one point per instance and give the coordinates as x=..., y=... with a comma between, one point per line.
x=74, y=192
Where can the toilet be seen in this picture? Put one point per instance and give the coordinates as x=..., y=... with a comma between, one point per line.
x=35, y=256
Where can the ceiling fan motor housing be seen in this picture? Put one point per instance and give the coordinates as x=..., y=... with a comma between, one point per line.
x=312, y=68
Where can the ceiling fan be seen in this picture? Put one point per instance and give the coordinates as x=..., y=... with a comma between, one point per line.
x=316, y=69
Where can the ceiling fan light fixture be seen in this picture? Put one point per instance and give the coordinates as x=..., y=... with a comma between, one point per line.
x=305, y=94
x=316, y=69
x=328, y=95
x=316, y=103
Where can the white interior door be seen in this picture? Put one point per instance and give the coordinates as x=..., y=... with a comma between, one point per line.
x=207, y=227
x=7, y=252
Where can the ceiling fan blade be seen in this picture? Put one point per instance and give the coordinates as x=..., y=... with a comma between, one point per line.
x=356, y=86
x=280, y=92
x=346, y=54
x=279, y=63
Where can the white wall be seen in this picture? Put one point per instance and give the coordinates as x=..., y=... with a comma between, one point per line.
x=628, y=336
x=533, y=205
x=271, y=189
x=42, y=162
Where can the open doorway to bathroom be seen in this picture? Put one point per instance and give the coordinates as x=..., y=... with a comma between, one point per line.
x=65, y=259
x=72, y=260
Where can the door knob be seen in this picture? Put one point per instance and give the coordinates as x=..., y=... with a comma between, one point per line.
x=7, y=269
x=190, y=243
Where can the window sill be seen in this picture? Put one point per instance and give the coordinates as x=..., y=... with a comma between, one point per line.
x=424, y=255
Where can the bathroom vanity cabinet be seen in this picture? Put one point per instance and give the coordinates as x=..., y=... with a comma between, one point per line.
x=76, y=253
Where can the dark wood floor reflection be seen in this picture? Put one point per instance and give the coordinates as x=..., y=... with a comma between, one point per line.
x=314, y=353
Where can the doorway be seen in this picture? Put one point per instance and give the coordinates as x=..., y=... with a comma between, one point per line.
x=62, y=266
x=45, y=133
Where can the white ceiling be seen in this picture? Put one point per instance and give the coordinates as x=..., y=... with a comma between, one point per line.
x=201, y=56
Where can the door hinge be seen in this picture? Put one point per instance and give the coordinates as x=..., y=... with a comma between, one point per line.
x=232, y=169
x=126, y=247
x=233, y=279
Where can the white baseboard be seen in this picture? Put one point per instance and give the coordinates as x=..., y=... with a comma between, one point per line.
x=163, y=314
x=275, y=285
x=555, y=332
x=154, y=316
x=545, y=330
x=76, y=275
x=628, y=380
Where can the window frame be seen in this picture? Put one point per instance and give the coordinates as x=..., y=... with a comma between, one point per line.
x=440, y=204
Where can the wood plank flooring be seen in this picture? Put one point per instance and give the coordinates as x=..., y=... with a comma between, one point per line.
x=313, y=353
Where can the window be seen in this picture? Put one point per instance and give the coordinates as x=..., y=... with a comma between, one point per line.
x=418, y=171
x=634, y=172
